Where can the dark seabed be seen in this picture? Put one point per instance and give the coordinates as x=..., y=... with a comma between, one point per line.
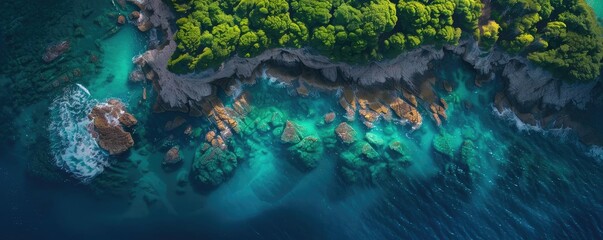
x=482, y=175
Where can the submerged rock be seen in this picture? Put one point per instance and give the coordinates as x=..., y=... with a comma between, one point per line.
x=346, y=133
x=290, y=133
x=108, y=122
x=329, y=117
x=55, y=51
x=374, y=139
x=469, y=155
x=121, y=20
x=174, y=123
x=442, y=143
x=397, y=149
x=307, y=153
x=172, y=156
x=134, y=15
x=213, y=166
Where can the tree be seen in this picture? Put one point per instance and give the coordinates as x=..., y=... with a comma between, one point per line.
x=489, y=34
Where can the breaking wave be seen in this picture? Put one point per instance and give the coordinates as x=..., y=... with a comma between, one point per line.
x=509, y=116
x=595, y=152
x=72, y=145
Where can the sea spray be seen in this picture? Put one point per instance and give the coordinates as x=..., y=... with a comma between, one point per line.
x=562, y=133
x=509, y=116
x=72, y=145
x=595, y=152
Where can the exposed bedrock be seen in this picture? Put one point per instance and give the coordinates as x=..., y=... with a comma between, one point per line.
x=527, y=86
x=108, y=122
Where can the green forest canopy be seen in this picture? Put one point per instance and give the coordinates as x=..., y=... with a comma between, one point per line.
x=560, y=35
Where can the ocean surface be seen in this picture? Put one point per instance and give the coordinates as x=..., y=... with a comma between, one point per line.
x=483, y=174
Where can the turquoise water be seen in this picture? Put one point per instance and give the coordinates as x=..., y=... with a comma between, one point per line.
x=597, y=6
x=481, y=174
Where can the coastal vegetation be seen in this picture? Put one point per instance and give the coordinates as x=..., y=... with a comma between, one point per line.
x=560, y=35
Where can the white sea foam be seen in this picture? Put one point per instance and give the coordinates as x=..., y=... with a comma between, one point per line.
x=72, y=145
x=273, y=81
x=595, y=152
x=236, y=89
x=511, y=117
x=83, y=88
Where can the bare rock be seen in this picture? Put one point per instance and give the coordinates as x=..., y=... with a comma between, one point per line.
x=172, y=156
x=108, y=122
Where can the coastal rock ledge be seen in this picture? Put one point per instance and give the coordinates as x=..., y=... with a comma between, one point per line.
x=527, y=85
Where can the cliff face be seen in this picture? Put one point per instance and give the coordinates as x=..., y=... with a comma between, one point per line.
x=526, y=84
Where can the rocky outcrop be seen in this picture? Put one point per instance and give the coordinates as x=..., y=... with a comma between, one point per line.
x=121, y=20
x=55, y=50
x=172, y=156
x=329, y=117
x=213, y=166
x=406, y=111
x=290, y=133
x=108, y=122
x=527, y=84
x=346, y=133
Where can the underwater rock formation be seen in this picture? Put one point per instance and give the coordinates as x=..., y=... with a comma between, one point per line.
x=290, y=133
x=329, y=117
x=121, y=20
x=109, y=120
x=346, y=133
x=213, y=166
x=172, y=156
x=307, y=153
x=55, y=50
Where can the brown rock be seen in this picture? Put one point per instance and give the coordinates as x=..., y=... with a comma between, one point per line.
x=369, y=115
x=128, y=120
x=346, y=133
x=302, y=90
x=378, y=107
x=121, y=20
x=444, y=103
x=406, y=111
x=329, y=117
x=134, y=15
x=210, y=136
x=290, y=133
x=108, y=120
x=55, y=50
x=145, y=26
x=172, y=156
x=437, y=119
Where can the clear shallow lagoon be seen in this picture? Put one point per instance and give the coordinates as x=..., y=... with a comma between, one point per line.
x=523, y=183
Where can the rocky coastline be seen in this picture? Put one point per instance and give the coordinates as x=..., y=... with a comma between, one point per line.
x=533, y=93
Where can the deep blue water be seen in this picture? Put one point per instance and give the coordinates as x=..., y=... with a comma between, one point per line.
x=527, y=183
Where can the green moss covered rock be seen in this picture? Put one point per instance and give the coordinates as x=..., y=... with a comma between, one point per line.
x=307, y=153
x=442, y=143
x=213, y=166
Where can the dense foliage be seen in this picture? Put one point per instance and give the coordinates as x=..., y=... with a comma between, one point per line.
x=559, y=34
